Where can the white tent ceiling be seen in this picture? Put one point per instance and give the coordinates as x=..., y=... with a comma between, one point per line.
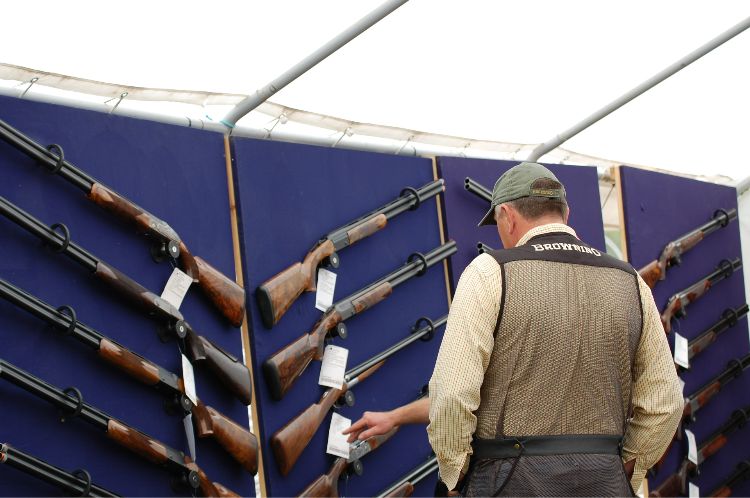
x=511, y=71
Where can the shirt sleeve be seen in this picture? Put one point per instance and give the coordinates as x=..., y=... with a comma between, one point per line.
x=463, y=358
x=657, y=394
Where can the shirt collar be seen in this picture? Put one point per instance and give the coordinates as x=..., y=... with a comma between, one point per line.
x=548, y=228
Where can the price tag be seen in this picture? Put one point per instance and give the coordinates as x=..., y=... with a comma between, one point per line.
x=326, y=286
x=693, y=491
x=176, y=288
x=337, y=444
x=188, y=378
x=681, y=351
x=334, y=367
x=188, y=422
x=692, y=448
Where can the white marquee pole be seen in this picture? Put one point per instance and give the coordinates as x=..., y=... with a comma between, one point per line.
x=558, y=140
x=264, y=93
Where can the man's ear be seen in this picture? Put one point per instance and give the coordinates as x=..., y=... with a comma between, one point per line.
x=567, y=216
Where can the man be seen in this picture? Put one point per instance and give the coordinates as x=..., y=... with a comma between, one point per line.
x=549, y=346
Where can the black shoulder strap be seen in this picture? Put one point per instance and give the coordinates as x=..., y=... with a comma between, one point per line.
x=560, y=247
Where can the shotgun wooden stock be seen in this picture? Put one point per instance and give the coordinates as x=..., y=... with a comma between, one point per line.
x=285, y=366
x=327, y=485
x=651, y=273
x=225, y=294
x=232, y=372
x=277, y=294
x=289, y=441
x=237, y=441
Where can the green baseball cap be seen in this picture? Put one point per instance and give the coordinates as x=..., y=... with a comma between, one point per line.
x=516, y=183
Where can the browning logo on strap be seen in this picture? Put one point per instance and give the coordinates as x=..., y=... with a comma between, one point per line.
x=560, y=246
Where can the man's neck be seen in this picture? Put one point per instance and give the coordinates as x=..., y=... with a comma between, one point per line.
x=539, y=228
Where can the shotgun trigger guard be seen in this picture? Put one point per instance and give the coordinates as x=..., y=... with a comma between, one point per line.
x=413, y=192
x=332, y=261
x=86, y=478
x=59, y=156
x=69, y=312
x=430, y=333
x=420, y=257
x=79, y=403
x=65, y=234
x=725, y=217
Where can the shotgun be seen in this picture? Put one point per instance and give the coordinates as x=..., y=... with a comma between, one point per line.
x=327, y=484
x=702, y=396
x=229, y=370
x=70, y=401
x=676, y=305
x=289, y=442
x=483, y=248
x=698, y=399
x=478, y=189
x=672, y=253
x=277, y=294
x=677, y=483
x=728, y=320
x=210, y=423
x=741, y=473
x=224, y=293
x=405, y=485
x=285, y=366
x=76, y=483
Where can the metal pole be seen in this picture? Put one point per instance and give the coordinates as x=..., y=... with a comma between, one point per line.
x=743, y=186
x=263, y=94
x=558, y=140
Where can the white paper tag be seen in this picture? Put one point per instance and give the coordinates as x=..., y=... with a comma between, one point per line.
x=176, y=288
x=681, y=351
x=188, y=422
x=188, y=378
x=334, y=367
x=693, y=491
x=326, y=286
x=337, y=444
x=692, y=448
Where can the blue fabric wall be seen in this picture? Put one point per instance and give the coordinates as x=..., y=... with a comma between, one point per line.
x=179, y=175
x=658, y=208
x=289, y=197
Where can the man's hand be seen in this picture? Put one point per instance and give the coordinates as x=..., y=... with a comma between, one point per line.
x=371, y=424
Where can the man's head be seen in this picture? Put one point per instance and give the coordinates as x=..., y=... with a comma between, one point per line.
x=525, y=196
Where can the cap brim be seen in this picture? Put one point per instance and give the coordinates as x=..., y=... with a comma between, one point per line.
x=489, y=218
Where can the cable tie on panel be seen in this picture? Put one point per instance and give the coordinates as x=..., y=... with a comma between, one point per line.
x=31, y=83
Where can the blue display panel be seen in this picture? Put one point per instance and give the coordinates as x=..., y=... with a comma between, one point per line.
x=288, y=197
x=179, y=175
x=659, y=208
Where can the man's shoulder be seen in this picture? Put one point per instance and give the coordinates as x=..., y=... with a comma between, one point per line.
x=484, y=265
